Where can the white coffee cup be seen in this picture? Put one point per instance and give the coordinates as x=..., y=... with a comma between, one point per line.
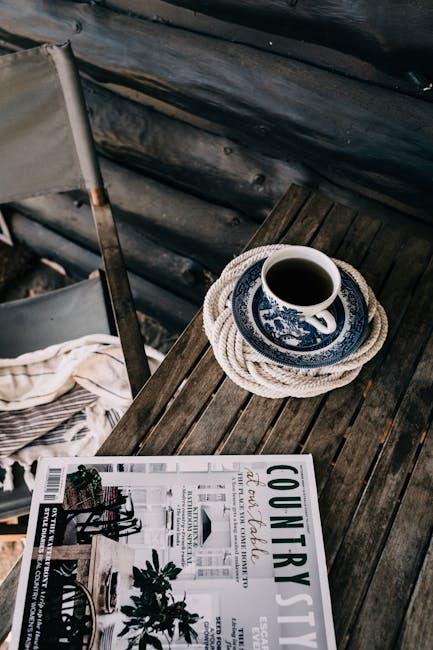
x=310, y=313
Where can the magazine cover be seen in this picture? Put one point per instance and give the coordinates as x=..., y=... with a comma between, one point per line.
x=202, y=552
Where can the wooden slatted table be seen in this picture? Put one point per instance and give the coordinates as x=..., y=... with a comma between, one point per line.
x=372, y=441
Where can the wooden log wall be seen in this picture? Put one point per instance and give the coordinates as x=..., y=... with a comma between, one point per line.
x=394, y=36
x=325, y=36
x=204, y=119
x=154, y=300
x=196, y=160
x=142, y=255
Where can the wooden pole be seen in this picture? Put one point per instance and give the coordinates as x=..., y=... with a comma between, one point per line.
x=122, y=302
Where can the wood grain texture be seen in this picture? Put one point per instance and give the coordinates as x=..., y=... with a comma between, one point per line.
x=407, y=542
x=219, y=415
x=416, y=627
x=120, y=295
x=193, y=159
x=144, y=256
x=185, y=407
x=360, y=136
x=171, y=310
x=360, y=549
x=206, y=232
x=202, y=20
x=330, y=429
x=339, y=221
x=372, y=421
x=309, y=220
x=283, y=215
x=396, y=38
x=254, y=182
x=251, y=426
x=295, y=419
x=149, y=404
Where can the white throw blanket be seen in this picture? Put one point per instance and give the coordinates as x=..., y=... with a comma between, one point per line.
x=63, y=400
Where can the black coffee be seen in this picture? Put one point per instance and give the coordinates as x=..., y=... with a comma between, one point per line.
x=299, y=282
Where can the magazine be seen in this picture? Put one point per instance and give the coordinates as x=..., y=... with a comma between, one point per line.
x=201, y=552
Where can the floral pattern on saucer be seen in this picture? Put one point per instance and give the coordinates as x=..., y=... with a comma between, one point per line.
x=284, y=337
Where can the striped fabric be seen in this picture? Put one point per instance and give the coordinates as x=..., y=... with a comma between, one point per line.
x=49, y=421
x=61, y=401
x=62, y=433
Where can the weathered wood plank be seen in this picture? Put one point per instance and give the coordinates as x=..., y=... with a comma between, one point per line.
x=359, y=551
x=283, y=215
x=120, y=296
x=309, y=221
x=355, y=133
x=294, y=421
x=216, y=419
x=396, y=39
x=172, y=311
x=175, y=422
x=359, y=238
x=191, y=153
x=251, y=426
x=373, y=420
x=209, y=233
x=144, y=256
x=193, y=159
x=149, y=404
x=405, y=547
x=339, y=222
x=311, y=52
x=416, y=627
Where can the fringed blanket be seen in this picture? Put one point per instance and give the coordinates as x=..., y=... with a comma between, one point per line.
x=63, y=400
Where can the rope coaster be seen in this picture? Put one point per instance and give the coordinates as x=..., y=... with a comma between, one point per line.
x=254, y=372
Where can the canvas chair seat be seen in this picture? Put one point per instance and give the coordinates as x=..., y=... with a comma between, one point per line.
x=61, y=315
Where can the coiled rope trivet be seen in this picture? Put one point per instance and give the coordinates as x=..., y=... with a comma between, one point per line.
x=251, y=370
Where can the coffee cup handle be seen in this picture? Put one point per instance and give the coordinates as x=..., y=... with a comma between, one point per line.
x=327, y=317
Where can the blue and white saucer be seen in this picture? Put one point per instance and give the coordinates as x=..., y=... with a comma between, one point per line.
x=290, y=341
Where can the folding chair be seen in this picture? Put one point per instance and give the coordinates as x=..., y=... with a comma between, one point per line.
x=46, y=145
x=33, y=324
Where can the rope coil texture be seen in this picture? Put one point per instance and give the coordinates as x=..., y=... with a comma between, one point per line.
x=257, y=374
